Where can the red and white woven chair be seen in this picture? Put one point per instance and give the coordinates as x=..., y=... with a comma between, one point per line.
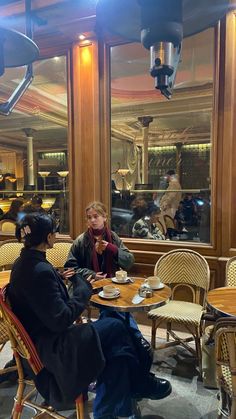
x=23, y=347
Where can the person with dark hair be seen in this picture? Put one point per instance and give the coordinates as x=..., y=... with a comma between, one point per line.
x=34, y=205
x=15, y=208
x=146, y=227
x=74, y=354
x=170, y=200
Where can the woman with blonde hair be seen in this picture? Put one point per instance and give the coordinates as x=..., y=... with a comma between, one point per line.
x=98, y=251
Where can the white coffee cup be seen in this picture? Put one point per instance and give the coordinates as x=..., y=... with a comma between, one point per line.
x=109, y=290
x=121, y=276
x=153, y=281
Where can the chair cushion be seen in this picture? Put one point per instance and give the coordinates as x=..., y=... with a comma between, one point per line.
x=180, y=311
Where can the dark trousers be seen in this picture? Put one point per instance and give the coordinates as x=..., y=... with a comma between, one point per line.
x=127, y=317
x=120, y=377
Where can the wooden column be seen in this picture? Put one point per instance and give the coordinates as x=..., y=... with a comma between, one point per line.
x=145, y=121
x=228, y=226
x=84, y=146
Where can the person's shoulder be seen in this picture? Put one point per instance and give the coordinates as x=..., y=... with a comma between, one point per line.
x=43, y=270
x=115, y=235
x=80, y=238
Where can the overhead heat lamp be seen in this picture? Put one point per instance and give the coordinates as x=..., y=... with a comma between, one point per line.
x=160, y=26
x=16, y=50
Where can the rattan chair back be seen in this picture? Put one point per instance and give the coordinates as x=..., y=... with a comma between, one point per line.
x=184, y=267
x=7, y=226
x=231, y=273
x=4, y=338
x=9, y=252
x=3, y=332
x=57, y=256
x=225, y=341
x=20, y=341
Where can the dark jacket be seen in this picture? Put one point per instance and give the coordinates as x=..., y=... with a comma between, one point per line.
x=71, y=353
x=80, y=255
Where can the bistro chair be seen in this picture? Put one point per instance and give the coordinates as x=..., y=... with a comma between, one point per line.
x=208, y=341
x=9, y=252
x=23, y=348
x=185, y=271
x=57, y=256
x=225, y=341
x=4, y=338
x=231, y=272
x=7, y=226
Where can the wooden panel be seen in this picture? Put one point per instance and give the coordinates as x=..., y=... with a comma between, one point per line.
x=85, y=154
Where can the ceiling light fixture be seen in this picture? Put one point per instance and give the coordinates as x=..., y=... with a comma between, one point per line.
x=160, y=26
x=82, y=37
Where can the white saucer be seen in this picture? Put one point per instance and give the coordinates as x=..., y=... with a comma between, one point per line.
x=114, y=279
x=159, y=287
x=101, y=294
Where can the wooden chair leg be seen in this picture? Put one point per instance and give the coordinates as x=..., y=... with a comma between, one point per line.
x=154, y=329
x=80, y=407
x=18, y=407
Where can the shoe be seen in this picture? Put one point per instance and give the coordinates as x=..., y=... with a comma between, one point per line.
x=155, y=389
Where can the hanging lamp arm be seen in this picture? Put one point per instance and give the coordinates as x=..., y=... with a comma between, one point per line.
x=7, y=107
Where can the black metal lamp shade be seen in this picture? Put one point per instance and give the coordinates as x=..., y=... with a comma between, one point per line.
x=160, y=25
x=123, y=17
x=16, y=49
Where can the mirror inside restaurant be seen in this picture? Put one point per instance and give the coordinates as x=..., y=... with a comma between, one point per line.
x=160, y=149
x=33, y=145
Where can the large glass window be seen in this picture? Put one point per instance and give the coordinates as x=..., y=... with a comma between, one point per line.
x=160, y=149
x=33, y=143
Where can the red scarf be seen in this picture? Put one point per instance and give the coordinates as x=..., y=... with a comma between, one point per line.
x=108, y=257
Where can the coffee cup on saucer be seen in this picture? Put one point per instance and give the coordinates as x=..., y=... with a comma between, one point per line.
x=153, y=281
x=109, y=290
x=121, y=276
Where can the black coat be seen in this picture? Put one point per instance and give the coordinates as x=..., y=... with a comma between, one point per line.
x=71, y=354
x=80, y=255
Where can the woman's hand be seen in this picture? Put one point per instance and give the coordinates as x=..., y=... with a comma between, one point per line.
x=100, y=275
x=100, y=246
x=67, y=273
x=90, y=279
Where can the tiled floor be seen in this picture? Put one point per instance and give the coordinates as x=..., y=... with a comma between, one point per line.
x=189, y=399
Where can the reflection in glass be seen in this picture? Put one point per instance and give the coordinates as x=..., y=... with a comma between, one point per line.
x=164, y=147
x=33, y=141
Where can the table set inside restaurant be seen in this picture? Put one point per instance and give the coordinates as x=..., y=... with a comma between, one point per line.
x=123, y=301
x=222, y=301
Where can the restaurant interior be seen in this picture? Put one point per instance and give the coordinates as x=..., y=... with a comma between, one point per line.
x=94, y=123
